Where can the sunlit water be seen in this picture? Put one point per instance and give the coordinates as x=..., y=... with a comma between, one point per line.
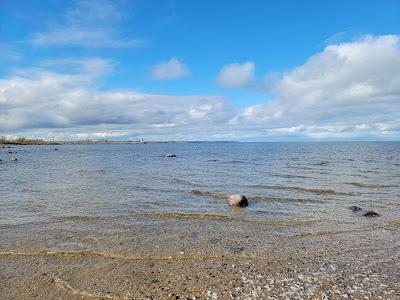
x=129, y=199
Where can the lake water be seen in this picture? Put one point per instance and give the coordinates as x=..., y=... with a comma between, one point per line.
x=131, y=201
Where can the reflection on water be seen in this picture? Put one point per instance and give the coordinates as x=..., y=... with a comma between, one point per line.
x=131, y=199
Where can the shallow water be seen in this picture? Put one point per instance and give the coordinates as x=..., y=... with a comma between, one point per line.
x=128, y=201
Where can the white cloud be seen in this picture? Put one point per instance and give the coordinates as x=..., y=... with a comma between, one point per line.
x=100, y=135
x=75, y=36
x=236, y=75
x=344, y=87
x=169, y=70
x=39, y=99
x=93, y=66
x=89, y=24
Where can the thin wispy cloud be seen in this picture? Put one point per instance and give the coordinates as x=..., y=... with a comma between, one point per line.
x=87, y=24
x=170, y=70
x=8, y=53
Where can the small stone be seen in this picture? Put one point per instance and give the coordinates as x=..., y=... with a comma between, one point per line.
x=14, y=159
x=169, y=155
x=238, y=201
x=355, y=208
x=371, y=214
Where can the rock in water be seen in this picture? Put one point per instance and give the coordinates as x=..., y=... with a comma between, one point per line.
x=371, y=214
x=238, y=200
x=14, y=159
x=355, y=208
x=169, y=155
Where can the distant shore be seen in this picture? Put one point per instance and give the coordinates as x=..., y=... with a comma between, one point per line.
x=26, y=141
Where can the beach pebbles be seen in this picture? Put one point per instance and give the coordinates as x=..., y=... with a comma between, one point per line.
x=238, y=201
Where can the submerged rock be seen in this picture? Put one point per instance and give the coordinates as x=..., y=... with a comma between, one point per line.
x=55, y=149
x=355, y=208
x=169, y=155
x=371, y=214
x=238, y=201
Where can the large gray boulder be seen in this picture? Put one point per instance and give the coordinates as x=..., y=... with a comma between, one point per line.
x=238, y=201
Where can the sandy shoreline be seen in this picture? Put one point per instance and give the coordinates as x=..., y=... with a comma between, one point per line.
x=346, y=271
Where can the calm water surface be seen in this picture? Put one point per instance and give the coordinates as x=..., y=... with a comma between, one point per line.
x=131, y=199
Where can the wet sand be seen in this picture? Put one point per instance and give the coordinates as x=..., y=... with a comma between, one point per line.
x=310, y=265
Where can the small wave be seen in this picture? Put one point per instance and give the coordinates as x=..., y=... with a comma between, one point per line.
x=194, y=216
x=322, y=233
x=210, y=194
x=298, y=189
x=234, y=219
x=184, y=182
x=368, y=185
x=321, y=163
x=78, y=218
x=292, y=176
x=65, y=285
x=83, y=254
x=27, y=189
x=234, y=161
x=281, y=199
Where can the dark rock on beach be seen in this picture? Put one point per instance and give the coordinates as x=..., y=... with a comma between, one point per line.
x=355, y=208
x=238, y=201
x=371, y=214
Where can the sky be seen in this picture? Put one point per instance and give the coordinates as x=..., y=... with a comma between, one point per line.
x=200, y=70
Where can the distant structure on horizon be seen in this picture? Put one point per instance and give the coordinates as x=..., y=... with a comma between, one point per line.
x=141, y=140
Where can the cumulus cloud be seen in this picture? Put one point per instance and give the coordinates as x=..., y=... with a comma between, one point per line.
x=87, y=23
x=236, y=75
x=42, y=99
x=169, y=70
x=350, y=85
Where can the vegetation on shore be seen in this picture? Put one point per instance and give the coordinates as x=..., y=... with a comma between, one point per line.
x=22, y=141
x=29, y=141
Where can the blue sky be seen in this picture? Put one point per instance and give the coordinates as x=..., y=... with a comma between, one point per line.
x=207, y=70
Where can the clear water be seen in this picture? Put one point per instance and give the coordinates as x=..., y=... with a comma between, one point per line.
x=131, y=199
